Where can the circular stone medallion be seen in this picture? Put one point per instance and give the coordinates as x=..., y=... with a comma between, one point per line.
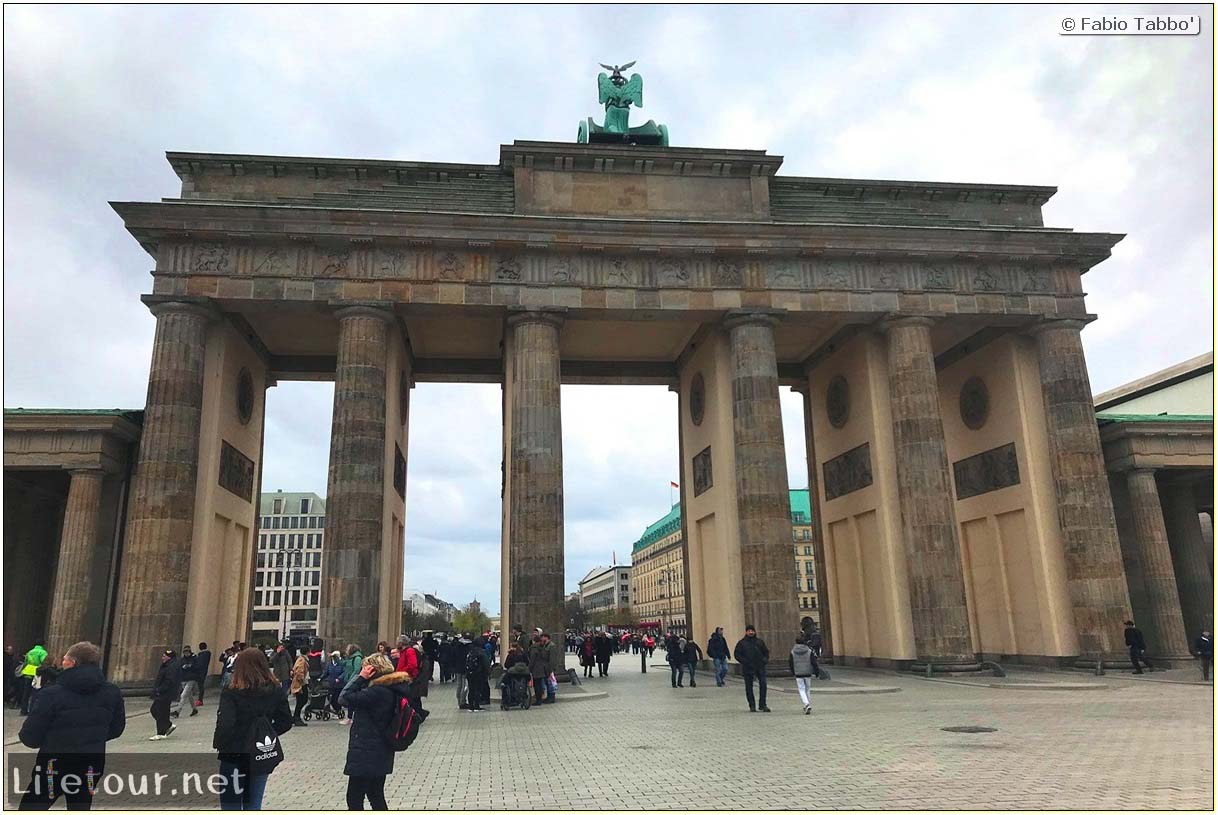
x=837, y=401
x=697, y=400
x=974, y=403
x=245, y=396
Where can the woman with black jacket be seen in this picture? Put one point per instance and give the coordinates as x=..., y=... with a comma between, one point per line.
x=252, y=693
x=373, y=695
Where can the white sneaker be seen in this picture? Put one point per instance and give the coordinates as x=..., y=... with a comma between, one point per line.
x=157, y=737
x=807, y=710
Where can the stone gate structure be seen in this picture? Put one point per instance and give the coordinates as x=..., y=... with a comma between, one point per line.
x=933, y=328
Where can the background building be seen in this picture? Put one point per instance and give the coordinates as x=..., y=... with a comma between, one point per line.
x=605, y=588
x=424, y=604
x=658, y=581
x=287, y=578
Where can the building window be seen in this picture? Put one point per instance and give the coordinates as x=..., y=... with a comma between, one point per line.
x=259, y=579
x=269, y=615
x=321, y=522
x=807, y=550
x=278, y=510
x=304, y=614
x=811, y=585
x=275, y=522
x=803, y=602
x=304, y=506
x=807, y=567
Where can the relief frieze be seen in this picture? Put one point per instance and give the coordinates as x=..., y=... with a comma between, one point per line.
x=332, y=262
x=211, y=257
x=985, y=472
x=847, y=473
x=507, y=268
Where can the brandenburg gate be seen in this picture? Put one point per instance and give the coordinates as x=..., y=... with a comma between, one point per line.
x=960, y=499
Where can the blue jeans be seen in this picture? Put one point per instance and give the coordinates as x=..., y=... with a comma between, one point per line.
x=252, y=787
x=720, y=670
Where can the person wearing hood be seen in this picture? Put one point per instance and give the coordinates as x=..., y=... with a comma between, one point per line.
x=460, y=650
x=716, y=649
x=164, y=692
x=70, y=726
x=373, y=696
x=252, y=694
x=29, y=669
x=803, y=665
x=332, y=679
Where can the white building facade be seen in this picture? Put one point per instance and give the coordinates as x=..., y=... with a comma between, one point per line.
x=287, y=576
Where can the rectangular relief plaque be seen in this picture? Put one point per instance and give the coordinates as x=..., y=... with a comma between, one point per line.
x=702, y=472
x=848, y=472
x=236, y=472
x=986, y=472
x=399, y=472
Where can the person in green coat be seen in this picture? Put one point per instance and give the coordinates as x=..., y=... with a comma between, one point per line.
x=33, y=661
x=353, y=663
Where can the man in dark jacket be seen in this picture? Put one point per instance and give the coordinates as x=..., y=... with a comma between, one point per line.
x=693, y=655
x=432, y=649
x=190, y=685
x=716, y=649
x=70, y=725
x=202, y=668
x=164, y=691
x=459, y=652
x=281, y=665
x=1203, y=647
x=752, y=654
x=603, y=645
x=541, y=665
x=1137, y=647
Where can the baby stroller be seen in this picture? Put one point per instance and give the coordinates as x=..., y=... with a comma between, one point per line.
x=318, y=706
x=516, y=690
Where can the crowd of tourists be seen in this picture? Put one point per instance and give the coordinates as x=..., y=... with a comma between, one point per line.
x=71, y=711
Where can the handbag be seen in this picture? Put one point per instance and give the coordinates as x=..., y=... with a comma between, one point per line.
x=552, y=684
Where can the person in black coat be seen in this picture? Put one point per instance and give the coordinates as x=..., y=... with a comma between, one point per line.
x=444, y=656
x=164, y=692
x=752, y=654
x=693, y=655
x=202, y=668
x=252, y=694
x=479, y=677
x=1137, y=647
x=1203, y=647
x=604, y=650
x=374, y=695
x=432, y=649
x=70, y=725
x=716, y=649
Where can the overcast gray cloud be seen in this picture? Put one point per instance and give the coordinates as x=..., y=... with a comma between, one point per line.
x=94, y=96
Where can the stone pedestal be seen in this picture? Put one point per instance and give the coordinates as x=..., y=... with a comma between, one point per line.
x=928, y=518
x=1095, y=575
x=762, y=490
x=534, y=561
x=355, y=492
x=151, y=609
x=1165, y=628
x=1193, y=578
x=73, y=571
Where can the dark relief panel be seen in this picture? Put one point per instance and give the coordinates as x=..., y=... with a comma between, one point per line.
x=848, y=472
x=236, y=472
x=702, y=472
x=986, y=472
x=399, y=472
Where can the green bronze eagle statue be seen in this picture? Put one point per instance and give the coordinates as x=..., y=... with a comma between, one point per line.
x=617, y=94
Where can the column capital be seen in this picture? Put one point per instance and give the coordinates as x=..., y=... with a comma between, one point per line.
x=1038, y=328
x=96, y=472
x=903, y=321
x=160, y=304
x=550, y=315
x=363, y=308
x=752, y=316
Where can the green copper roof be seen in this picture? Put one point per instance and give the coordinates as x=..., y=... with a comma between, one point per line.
x=136, y=416
x=291, y=503
x=801, y=513
x=1153, y=417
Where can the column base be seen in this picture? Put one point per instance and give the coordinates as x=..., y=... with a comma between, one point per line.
x=944, y=668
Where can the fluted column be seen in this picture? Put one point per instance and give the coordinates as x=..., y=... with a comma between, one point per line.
x=1095, y=573
x=355, y=492
x=151, y=610
x=1163, y=599
x=928, y=516
x=73, y=571
x=1193, y=577
x=762, y=490
x=535, y=542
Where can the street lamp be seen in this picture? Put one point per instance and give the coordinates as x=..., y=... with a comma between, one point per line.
x=285, y=563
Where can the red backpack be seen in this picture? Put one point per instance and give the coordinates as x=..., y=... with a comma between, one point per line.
x=404, y=725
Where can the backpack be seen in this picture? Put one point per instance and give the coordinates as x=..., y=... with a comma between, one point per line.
x=316, y=666
x=403, y=726
x=473, y=661
x=264, y=748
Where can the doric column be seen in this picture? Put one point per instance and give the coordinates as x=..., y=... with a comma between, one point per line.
x=1193, y=577
x=151, y=610
x=1095, y=573
x=355, y=491
x=73, y=571
x=535, y=511
x=928, y=517
x=762, y=490
x=1158, y=573
x=818, y=530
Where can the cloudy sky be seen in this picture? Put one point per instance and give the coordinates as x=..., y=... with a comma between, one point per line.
x=93, y=97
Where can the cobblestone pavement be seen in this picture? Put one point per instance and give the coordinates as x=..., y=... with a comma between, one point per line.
x=1130, y=745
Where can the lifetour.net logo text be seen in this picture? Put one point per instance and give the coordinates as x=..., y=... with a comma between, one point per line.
x=122, y=780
